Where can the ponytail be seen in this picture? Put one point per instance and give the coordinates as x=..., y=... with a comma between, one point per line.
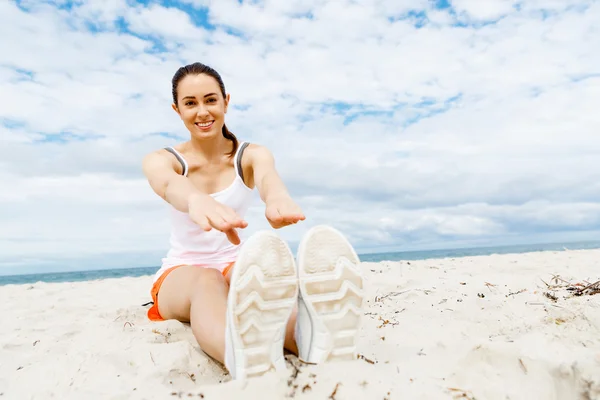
x=228, y=135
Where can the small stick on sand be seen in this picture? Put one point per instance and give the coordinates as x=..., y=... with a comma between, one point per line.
x=489, y=285
x=594, y=288
x=332, y=395
x=523, y=366
x=366, y=359
x=380, y=298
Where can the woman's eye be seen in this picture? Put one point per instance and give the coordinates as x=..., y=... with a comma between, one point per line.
x=212, y=100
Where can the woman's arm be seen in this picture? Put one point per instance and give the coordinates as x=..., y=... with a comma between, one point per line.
x=281, y=210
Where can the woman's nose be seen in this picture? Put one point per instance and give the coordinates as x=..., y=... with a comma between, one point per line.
x=202, y=110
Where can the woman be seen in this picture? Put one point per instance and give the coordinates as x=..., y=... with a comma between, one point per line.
x=244, y=302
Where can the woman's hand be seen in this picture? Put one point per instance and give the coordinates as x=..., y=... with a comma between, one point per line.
x=283, y=211
x=209, y=213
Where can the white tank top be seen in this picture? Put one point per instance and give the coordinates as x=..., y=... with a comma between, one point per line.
x=190, y=244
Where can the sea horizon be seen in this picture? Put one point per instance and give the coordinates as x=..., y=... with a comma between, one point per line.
x=138, y=271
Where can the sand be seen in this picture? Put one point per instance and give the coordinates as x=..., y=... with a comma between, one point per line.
x=469, y=328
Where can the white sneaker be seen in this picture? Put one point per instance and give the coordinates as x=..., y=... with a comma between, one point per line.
x=331, y=297
x=262, y=295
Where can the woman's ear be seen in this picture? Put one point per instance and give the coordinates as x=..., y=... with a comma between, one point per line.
x=227, y=98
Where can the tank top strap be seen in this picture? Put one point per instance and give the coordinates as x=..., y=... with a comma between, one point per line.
x=238, y=159
x=180, y=158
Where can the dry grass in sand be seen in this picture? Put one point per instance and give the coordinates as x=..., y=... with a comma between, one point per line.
x=575, y=289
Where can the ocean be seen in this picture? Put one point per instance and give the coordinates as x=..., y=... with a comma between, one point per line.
x=75, y=276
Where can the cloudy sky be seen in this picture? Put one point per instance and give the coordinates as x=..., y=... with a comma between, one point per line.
x=408, y=124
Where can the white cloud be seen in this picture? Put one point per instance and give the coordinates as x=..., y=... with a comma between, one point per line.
x=401, y=136
x=484, y=10
x=169, y=23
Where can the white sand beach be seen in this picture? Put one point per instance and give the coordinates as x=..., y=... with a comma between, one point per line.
x=470, y=328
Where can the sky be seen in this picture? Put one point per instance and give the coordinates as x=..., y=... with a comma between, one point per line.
x=406, y=124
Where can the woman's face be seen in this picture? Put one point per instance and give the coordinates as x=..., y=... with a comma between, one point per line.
x=201, y=105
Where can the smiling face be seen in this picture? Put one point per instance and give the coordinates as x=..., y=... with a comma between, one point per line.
x=201, y=105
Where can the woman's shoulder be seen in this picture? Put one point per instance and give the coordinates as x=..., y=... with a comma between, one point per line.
x=167, y=149
x=257, y=152
x=165, y=157
x=256, y=157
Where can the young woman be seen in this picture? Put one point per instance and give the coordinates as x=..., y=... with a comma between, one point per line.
x=246, y=301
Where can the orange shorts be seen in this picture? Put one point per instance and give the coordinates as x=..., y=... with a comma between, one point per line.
x=153, y=314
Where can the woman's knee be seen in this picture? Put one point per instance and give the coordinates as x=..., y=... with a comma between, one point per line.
x=182, y=286
x=209, y=276
x=208, y=280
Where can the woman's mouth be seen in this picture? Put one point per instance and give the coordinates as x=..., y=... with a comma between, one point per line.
x=205, y=125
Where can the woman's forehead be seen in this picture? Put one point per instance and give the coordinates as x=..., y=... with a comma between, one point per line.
x=201, y=84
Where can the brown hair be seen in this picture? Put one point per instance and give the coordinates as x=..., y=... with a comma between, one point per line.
x=197, y=69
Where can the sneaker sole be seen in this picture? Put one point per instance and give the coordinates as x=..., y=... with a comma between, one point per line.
x=262, y=296
x=331, y=287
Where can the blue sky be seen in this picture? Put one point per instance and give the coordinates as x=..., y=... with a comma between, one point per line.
x=406, y=124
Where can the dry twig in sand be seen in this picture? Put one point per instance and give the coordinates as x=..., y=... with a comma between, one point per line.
x=591, y=289
x=551, y=296
x=366, y=359
x=576, y=289
x=461, y=394
x=391, y=294
x=165, y=335
x=332, y=395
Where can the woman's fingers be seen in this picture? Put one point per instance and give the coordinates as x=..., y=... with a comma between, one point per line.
x=293, y=218
x=233, y=236
x=280, y=216
x=274, y=215
x=227, y=221
x=218, y=222
x=231, y=217
x=220, y=217
x=203, y=222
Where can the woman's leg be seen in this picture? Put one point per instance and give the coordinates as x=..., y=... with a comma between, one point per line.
x=199, y=296
x=290, y=340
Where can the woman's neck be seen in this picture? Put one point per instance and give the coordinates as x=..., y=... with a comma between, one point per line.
x=211, y=149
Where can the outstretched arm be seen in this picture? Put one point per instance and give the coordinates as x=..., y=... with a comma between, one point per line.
x=281, y=210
